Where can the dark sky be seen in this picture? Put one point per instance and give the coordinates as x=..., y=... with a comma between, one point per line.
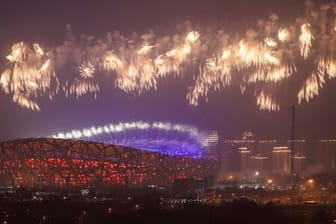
x=227, y=111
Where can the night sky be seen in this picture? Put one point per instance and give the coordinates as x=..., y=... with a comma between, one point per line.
x=227, y=111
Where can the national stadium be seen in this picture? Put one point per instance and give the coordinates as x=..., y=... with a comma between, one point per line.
x=84, y=161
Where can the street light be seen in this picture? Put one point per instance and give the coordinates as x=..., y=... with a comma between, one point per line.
x=311, y=181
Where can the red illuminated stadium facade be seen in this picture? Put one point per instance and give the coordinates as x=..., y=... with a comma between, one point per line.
x=57, y=162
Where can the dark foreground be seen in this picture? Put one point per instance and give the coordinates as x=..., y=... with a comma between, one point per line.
x=242, y=211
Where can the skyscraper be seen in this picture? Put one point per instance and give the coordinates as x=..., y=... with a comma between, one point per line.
x=281, y=160
x=210, y=143
x=244, y=160
x=326, y=154
x=259, y=165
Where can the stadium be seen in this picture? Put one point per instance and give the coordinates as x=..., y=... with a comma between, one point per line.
x=38, y=162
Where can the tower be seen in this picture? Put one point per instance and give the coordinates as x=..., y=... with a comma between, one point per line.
x=292, y=147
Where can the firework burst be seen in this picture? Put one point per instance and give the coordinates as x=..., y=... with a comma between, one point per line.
x=86, y=70
x=271, y=53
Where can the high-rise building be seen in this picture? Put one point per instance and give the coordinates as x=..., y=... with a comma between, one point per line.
x=229, y=161
x=326, y=154
x=298, y=163
x=244, y=160
x=210, y=143
x=273, y=157
x=259, y=165
x=281, y=160
x=299, y=156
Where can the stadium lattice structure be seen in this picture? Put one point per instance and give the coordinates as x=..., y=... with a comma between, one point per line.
x=59, y=162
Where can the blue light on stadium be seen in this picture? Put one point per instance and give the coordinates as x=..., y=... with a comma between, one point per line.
x=163, y=137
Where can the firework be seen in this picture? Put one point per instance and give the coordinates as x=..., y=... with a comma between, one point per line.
x=270, y=42
x=25, y=102
x=145, y=49
x=30, y=74
x=283, y=35
x=112, y=62
x=327, y=67
x=86, y=70
x=305, y=39
x=81, y=87
x=265, y=102
x=268, y=54
x=19, y=51
x=38, y=50
x=311, y=88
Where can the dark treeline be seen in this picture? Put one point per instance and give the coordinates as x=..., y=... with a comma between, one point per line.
x=242, y=211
